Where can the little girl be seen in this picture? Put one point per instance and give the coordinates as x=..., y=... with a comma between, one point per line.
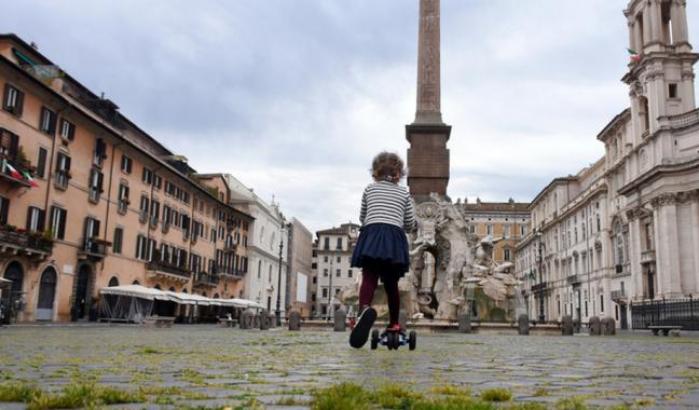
x=382, y=248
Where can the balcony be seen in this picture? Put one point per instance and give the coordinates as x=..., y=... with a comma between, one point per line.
x=61, y=180
x=573, y=280
x=143, y=216
x=93, y=249
x=18, y=242
x=165, y=270
x=204, y=279
x=648, y=256
x=619, y=296
x=230, y=273
x=166, y=227
x=539, y=287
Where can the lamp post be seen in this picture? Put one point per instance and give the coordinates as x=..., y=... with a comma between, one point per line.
x=278, y=312
x=541, y=276
x=330, y=286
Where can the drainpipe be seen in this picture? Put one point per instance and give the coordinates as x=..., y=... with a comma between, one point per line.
x=109, y=196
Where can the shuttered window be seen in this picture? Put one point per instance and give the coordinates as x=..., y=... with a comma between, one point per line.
x=13, y=100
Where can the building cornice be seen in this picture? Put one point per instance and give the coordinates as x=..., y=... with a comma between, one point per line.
x=114, y=133
x=658, y=172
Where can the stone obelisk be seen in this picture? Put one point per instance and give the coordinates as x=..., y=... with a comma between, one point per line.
x=428, y=156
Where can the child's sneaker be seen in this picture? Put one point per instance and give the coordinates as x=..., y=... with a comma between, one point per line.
x=394, y=328
x=360, y=333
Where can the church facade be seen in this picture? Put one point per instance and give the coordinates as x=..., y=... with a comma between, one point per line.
x=625, y=231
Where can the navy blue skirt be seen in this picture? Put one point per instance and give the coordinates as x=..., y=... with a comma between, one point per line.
x=382, y=248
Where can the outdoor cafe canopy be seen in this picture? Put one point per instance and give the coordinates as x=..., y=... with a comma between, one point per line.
x=142, y=292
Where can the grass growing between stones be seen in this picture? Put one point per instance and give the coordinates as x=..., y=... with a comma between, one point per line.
x=73, y=396
x=346, y=396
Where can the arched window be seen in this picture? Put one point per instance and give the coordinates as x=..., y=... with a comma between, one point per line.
x=113, y=282
x=270, y=272
x=172, y=289
x=157, y=287
x=259, y=269
x=216, y=296
x=135, y=282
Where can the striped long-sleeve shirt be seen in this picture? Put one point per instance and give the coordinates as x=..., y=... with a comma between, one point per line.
x=389, y=203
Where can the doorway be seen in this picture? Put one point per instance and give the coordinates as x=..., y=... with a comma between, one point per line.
x=12, y=297
x=47, y=294
x=81, y=302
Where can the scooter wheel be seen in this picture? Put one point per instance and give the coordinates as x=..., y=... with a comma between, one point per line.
x=412, y=340
x=395, y=340
x=374, y=339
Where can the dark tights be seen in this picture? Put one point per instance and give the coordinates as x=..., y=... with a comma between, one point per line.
x=370, y=279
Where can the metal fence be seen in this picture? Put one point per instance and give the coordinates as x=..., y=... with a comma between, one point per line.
x=672, y=312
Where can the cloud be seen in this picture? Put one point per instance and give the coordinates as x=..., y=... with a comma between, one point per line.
x=295, y=97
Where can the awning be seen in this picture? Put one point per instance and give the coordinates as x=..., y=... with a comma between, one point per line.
x=136, y=291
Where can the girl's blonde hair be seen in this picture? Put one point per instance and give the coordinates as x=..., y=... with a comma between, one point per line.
x=387, y=166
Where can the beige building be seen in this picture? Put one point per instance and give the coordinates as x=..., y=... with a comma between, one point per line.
x=267, y=248
x=88, y=200
x=635, y=213
x=333, y=256
x=505, y=222
x=299, y=286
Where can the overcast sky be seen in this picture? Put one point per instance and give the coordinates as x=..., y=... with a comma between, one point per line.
x=294, y=97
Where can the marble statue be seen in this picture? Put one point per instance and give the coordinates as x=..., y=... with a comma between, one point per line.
x=451, y=270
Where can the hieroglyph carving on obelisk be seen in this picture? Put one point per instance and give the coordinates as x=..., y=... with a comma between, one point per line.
x=428, y=87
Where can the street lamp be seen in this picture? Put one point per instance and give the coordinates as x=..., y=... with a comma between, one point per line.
x=278, y=313
x=541, y=276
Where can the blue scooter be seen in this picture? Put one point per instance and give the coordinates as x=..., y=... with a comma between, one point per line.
x=393, y=339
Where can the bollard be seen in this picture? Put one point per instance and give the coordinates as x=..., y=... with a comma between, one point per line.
x=523, y=324
x=246, y=319
x=595, y=326
x=340, y=319
x=263, y=320
x=465, y=323
x=294, y=320
x=608, y=326
x=567, y=326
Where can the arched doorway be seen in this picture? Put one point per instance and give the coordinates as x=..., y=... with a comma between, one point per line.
x=47, y=294
x=11, y=297
x=113, y=282
x=81, y=303
x=136, y=282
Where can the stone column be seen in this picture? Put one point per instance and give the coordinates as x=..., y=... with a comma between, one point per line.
x=667, y=249
x=428, y=56
x=635, y=251
x=695, y=245
x=638, y=36
x=647, y=27
x=656, y=21
x=678, y=15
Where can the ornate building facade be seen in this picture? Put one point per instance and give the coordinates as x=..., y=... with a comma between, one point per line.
x=88, y=200
x=638, y=206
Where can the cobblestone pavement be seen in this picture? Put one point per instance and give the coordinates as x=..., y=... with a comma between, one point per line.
x=211, y=366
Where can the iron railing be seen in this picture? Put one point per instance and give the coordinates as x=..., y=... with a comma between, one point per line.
x=666, y=312
x=26, y=240
x=168, y=268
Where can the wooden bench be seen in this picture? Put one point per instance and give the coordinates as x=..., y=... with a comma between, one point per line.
x=665, y=329
x=159, y=321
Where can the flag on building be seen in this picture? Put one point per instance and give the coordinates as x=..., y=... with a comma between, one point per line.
x=29, y=179
x=633, y=54
x=13, y=172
